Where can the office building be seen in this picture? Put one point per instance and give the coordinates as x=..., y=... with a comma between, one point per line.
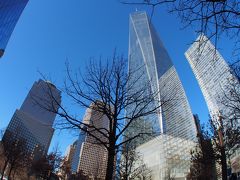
x=146, y=52
x=33, y=122
x=197, y=124
x=91, y=157
x=212, y=73
x=70, y=152
x=76, y=154
x=167, y=157
x=214, y=76
x=177, y=132
x=10, y=11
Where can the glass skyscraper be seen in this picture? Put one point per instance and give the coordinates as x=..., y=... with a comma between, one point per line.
x=211, y=71
x=32, y=122
x=215, y=80
x=10, y=11
x=147, y=53
x=168, y=154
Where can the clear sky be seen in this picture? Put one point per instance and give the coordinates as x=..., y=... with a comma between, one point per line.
x=49, y=32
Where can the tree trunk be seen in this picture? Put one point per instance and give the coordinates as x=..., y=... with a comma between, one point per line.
x=110, y=163
x=125, y=175
x=4, y=168
x=13, y=176
x=9, y=173
x=223, y=164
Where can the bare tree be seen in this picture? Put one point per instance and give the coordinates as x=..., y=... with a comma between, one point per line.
x=231, y=115
x=231, y=102
x=13, y=154
x=130, y=164
x=113, y=90
x=203, y=164
x=215, y=146
x=47, y=165
x=65, y=169
x=223, y=131
x=78, y=176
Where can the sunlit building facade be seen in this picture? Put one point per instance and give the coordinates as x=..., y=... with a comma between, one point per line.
x=146, y=52
x=90, y=156
x=76, y=154
x=177, y=131
x=33, y=122
x=167, y=157
x=211, y=71
x=214, y=77
x=70, y=152
x=10, y=11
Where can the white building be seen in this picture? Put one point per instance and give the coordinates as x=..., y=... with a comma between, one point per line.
x=167, y=156
x=212, y=73
x=214, y=78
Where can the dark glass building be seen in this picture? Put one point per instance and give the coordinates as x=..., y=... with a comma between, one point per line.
x=32, y=123
x=10, y=11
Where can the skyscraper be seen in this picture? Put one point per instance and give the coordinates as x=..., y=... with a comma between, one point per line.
x=214, y=77
x=146, y=52
x=211, y=71
x=10, y=11
x=70, y=152
x=169, y=153
x=91, y=157
x=32, y=122
x=77, y=152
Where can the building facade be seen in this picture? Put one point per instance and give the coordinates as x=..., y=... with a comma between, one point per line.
x=146, y=52
x=214, y=77
x=10, y=11
x=76, y=154
x=212, y=73
x=70, y=152
x=32, y=122
x=167, y=157
x=90, y=156
x=149, y=58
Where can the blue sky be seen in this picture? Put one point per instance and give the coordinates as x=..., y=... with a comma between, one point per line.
x=49, y=32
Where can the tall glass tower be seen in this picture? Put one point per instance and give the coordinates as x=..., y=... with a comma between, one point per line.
x=147, y=53
x=215, y=80
x=211, y=71
x=32, y=122
x=10, y=11
x=168, y=154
